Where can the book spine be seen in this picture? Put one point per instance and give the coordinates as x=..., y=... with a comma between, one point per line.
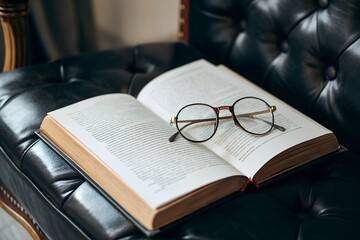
x=249, y=185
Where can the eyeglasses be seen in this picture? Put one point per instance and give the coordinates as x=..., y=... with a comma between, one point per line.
x=198, y=122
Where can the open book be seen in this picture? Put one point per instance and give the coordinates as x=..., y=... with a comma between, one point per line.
x=122, y=144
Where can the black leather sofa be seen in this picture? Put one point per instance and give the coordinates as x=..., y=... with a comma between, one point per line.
x=306, y=52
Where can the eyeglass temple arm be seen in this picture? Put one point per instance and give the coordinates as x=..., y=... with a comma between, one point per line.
x=251, y=115
x=172, y=138
x=192, y=121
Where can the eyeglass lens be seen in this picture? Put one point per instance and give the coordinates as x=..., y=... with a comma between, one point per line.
x=254, y=115
x=197, y=122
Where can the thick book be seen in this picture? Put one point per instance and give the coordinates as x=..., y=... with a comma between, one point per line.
x=122, y=144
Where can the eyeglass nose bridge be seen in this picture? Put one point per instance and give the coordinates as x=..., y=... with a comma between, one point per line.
x=224, y=108
x=231, y=110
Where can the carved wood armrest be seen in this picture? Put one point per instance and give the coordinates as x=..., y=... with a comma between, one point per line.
x=15, y=210
x=14, y=22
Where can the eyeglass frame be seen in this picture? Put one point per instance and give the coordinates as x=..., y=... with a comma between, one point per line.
x=272, y=109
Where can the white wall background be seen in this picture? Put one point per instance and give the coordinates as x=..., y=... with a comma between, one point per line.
x=129, y=22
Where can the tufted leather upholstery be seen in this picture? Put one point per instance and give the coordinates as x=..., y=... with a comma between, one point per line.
x=306, y=52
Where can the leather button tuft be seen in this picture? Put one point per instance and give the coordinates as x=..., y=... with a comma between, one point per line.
x=284, y=47
x=323, y=3
x=243, y=25
x=331, y=73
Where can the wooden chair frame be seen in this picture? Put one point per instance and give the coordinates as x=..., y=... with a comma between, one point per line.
x=183, y=33
x=14, y=22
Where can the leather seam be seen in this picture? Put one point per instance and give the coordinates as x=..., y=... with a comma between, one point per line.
x=38, y=191
x=26, y=151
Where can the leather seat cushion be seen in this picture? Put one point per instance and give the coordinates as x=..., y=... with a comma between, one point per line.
x=27, y=94
x=302, y=205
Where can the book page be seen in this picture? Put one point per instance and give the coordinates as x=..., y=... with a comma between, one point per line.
x=202, y=82
x=132, y=141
